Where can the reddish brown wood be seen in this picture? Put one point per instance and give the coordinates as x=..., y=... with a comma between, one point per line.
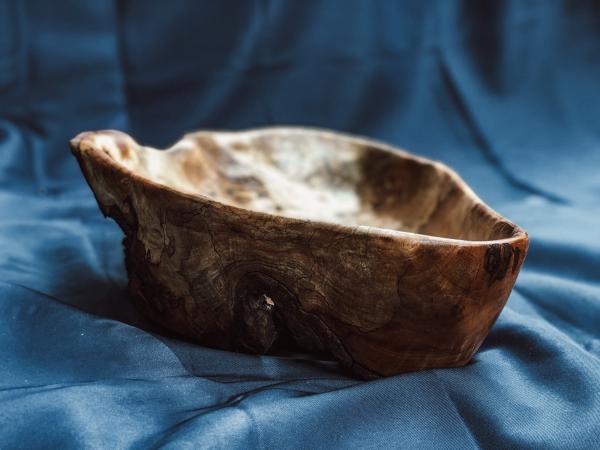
x=247, y=240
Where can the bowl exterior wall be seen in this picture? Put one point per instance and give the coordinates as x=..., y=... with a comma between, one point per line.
x=381, y=303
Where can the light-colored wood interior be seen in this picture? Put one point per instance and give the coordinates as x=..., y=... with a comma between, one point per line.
x=316, y=176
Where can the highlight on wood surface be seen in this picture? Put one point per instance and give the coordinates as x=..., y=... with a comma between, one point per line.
x=268, y=238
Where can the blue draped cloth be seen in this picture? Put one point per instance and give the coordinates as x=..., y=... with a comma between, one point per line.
x=506, y=92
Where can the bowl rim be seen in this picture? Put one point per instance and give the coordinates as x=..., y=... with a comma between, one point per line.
x=82, y=145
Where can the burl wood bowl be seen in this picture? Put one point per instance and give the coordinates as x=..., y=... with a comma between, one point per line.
x=250, y=240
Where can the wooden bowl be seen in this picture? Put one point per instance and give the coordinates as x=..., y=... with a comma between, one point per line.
x=251, y=240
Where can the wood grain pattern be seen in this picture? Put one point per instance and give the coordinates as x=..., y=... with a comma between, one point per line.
x=251, y=240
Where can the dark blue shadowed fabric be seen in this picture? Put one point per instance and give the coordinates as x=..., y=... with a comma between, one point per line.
x=506, y=92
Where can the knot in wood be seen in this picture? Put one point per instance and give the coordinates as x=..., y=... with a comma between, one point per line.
x=255, y=310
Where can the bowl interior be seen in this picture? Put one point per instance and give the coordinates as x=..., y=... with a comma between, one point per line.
x=318, y=176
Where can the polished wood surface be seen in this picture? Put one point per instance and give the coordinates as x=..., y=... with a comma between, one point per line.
x=261, y=239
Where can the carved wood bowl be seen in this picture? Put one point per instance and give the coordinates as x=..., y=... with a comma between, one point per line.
x=251, y=240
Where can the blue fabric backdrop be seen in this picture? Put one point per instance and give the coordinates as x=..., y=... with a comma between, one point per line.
x=506, y=92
